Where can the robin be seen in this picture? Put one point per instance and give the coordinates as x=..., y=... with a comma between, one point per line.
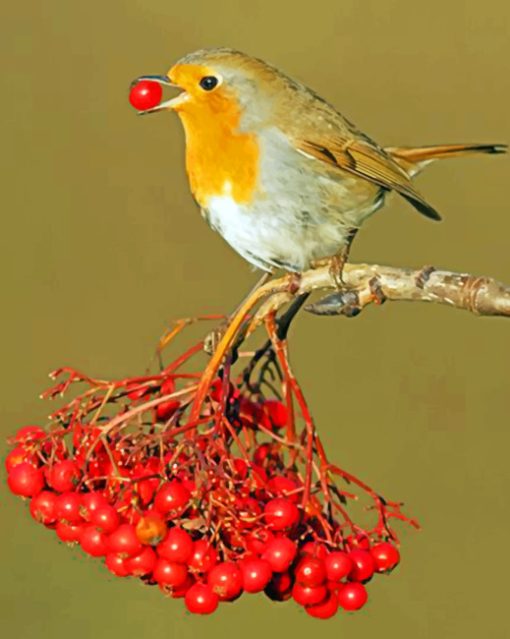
x=276, y=170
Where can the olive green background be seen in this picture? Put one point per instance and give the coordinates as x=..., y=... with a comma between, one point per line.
x=101, y=245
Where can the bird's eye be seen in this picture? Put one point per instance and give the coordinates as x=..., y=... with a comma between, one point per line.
x=208, y=82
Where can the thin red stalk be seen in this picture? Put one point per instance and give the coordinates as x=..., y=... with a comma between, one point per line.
x=292, y=382
x=197, y=348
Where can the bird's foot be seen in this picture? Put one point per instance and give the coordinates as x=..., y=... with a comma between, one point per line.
x=336, y=266
x=336, y=270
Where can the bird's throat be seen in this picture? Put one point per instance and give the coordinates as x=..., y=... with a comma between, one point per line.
x=220, y=159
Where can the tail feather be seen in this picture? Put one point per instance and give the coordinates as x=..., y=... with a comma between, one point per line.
x=413, y=159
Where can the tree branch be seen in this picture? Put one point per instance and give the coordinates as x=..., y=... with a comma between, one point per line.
x=371, y=283
x=364, y=284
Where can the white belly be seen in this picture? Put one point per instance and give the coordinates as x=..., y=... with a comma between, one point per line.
x=296, y=217
x=270, y=236
x=241, y=229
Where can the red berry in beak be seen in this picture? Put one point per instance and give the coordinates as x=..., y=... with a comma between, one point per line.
x=145, y=95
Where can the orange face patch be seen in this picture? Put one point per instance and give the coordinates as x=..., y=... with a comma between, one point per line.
x=220, y=159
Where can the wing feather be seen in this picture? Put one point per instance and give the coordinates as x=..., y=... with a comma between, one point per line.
x=370, y=162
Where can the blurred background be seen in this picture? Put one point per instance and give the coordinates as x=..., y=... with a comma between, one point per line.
x=102, y=245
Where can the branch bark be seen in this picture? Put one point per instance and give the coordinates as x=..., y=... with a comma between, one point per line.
x=371, y=283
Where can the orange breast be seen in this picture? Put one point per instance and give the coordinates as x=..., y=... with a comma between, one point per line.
x=220, y=160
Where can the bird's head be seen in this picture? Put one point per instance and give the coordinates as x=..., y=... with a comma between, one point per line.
x=222, y=84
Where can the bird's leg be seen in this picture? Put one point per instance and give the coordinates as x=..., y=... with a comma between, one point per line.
x=212, y=340
x=345, y=298
x=337, y=262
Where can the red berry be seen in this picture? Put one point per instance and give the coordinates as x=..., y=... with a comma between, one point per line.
x=68, y=533
x=151, y=529
x=282, y=486
x=248, y=510
x=386, y=556
x=93, y=541
x=145, y=95
x=256, y=573
x=240, y=468
x=352, y=596
x=364, y=565
x=358, y=542
x=280, y=587
x=42, y=507
x=281, y=513
x=308, y=595
x=168, y=386
x=146, y=488
x=172, y=497
x=324, y=610
x=17, y=456
x=63, y=476
x=180, y=591
x=314, y=549
x=177, y=546
x=68, y=508
x=165, y=410
x=254, y=414
x=278, y=413
x=335, y=586
x=190, y=485
x=29, y=434
x=170, y=573
x=338, y=565
x=216, y=390
x=280, y=553
x=201, y=600
x=256, y=541
x=310, y=571
x=25, y=480
x=106, y=518
x=203, y=557
x=124, y=541
x=143, y=563
x=91, y=502
x=258, y=477
x=261, y=454
x=137, y=390
x=226, y=580
x=117, y=565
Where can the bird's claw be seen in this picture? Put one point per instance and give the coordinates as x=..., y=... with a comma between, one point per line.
x=336, y=271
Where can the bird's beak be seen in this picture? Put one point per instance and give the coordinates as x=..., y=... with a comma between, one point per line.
x=169, y=104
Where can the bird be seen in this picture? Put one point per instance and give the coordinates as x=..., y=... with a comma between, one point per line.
x=276, y=170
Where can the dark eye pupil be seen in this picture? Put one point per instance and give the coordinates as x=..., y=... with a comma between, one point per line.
x=208, y=83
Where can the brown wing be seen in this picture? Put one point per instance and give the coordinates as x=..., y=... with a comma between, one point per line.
x=369, y=162
x=322, y=132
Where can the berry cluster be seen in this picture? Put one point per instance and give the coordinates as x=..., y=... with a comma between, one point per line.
x=238, y=499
